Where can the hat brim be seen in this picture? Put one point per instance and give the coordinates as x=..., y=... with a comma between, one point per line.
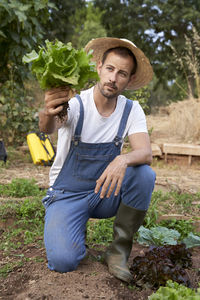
x=144, y=72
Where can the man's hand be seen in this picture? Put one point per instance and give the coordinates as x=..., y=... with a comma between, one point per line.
x=113, y=176
x=54, y=98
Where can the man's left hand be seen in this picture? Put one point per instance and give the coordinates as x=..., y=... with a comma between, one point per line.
x=112, y=176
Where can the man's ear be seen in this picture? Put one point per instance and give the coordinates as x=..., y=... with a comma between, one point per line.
x=131, y=80
x=99, y=66
x=132, y=77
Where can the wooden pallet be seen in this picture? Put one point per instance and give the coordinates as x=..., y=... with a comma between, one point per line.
x=181, y=149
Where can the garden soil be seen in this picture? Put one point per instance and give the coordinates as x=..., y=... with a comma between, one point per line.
x=91, y=280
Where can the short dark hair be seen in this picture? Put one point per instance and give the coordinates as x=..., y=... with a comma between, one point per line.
x=121, y=51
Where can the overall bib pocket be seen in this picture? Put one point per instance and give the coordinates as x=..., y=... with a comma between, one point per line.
x=88, y=167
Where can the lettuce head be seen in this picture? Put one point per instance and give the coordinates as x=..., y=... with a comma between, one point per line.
x=59, y=64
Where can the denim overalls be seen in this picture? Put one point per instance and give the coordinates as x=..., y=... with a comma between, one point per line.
x=71, y=201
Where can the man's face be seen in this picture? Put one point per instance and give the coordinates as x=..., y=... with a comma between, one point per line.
x=114, y=74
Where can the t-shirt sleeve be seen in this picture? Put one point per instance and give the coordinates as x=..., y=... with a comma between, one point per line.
x=137, y=119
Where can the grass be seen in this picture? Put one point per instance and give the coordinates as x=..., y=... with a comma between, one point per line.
x=27, y=214
x=9, y=267
x=20, y=188
x=100, y=232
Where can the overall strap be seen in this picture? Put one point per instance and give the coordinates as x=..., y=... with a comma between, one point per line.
x=79, y=125
x=122, y=125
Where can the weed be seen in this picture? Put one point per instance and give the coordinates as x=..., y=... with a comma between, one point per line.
x=150, y=131
x=9, y=267
x=132, y=287
x=153, y=211
x=100, y=231
x=184, y=199
x=20, y=187
x=184, y=227
x=28, y=225
x=39, y=259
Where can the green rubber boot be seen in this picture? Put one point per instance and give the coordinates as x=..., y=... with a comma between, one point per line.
x=127, y=222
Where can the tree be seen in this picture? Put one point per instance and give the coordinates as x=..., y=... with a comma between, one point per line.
x=153, y=25
x=21, y=28
x=63, y=19
x=91, y=28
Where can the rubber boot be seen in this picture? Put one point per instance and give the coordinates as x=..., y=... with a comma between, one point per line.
x=127, y=222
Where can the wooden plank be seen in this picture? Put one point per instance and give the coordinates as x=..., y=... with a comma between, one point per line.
x=182, y=149
x=156, y=150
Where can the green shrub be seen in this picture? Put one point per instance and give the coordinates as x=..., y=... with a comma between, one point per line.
x=17, y=114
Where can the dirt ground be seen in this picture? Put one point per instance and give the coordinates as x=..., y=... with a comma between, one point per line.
x=91, y=280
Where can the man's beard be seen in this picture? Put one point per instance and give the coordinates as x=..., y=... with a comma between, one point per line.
x=107, y=94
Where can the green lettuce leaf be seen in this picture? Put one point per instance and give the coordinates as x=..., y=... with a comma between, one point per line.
x=175, y=291
x=60, y=64
x=191, y=240
x=157, y=236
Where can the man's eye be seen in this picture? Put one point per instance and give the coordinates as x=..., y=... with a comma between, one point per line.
x=109, y=68
x=123, y=74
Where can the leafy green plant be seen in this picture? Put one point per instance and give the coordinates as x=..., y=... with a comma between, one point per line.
x=158, y=236
x=100, y=232
x=20, y=187
x=28, y=216
x=21, y=27
x=9, y=267
x=17, y=113
x=184, y=227
x=60, y=64
x=191, y=240
x=175, y=291
x=184, y=199
x=160, y=264
x=30, y=210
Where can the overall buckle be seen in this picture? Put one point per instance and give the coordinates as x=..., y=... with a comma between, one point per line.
x=76, y=139
x=118, y=141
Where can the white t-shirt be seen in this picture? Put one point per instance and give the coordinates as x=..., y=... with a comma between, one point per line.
x=96, y=128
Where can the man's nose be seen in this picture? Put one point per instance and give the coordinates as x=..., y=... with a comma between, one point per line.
x=113, y=76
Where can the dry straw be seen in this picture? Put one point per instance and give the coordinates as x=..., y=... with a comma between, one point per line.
x=185, y=120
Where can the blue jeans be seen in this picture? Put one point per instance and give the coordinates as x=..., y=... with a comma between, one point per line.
x=67, y=214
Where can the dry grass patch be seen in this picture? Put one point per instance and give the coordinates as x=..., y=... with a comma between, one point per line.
x=184, y=120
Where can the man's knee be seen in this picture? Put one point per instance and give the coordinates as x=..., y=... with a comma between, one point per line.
x=63, y=262
x=146, y=176
x=142, y=176
x=138, y=187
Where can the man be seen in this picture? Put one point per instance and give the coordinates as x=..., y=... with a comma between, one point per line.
x=90, y=178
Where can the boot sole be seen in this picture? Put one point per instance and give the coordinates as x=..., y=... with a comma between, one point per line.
x=121, y=274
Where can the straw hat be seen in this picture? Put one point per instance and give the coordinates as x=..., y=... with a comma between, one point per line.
x=144, y=72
